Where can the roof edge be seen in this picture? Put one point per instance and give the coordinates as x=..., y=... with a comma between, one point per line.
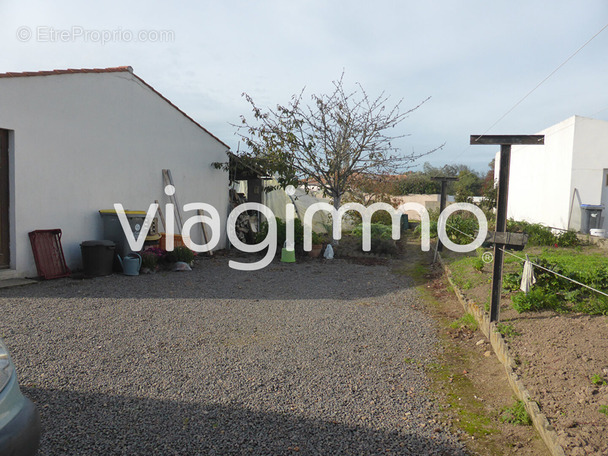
x=179, y=110
x=119, y=69
x=25, y=74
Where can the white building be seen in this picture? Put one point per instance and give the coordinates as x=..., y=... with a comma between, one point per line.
x=76, y=141
x=549, y=183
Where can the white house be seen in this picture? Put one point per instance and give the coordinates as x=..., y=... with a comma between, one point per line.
x=73, y=142
x=549, y=183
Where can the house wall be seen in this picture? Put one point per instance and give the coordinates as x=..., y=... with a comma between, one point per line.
x=549, y=183
x=430, y=202
x=590, y=159
x=83, y=142
x=540, y=178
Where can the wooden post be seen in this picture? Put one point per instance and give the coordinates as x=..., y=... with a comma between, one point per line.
x=505, y=142
x=443, y=201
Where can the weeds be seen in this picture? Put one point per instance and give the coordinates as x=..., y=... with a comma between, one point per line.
x=507, y=330
x=511, y=281
x=466, y=321
x=516, y=414
x=478, y=264
x=557, y=293
x=536, y=299
x=603, y=409
x=542, y=235
x=597, y=379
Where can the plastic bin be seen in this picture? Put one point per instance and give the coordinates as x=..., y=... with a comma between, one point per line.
x=591, y=215
x=405, y=224
x=97, y=257
x=112, y=229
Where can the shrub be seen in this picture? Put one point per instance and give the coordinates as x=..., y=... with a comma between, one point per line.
x=149, y=260
x=461, y=227
x=151, y=257
x=382, y=217
x=381, y=238
x=298, y=230
x=384, y=246
x=432, y=229
x=511, y=281
x=536, y=299
x=568, y=239
x=168, y=258
x=378, y=231
x=417, y=183
x=184, y=254
x=317, y=238
x=541, y=235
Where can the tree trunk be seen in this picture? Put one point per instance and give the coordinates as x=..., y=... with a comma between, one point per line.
x=337, y=200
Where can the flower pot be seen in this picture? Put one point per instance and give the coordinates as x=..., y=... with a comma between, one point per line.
x=316, y=250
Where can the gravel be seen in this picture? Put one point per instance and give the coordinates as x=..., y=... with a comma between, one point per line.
x=310, y=358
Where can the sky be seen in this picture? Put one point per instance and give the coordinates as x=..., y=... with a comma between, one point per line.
x=475, y=59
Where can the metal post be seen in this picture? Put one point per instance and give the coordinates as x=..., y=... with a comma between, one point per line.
x=501, y=227
x=501, y=204
x=443, y=200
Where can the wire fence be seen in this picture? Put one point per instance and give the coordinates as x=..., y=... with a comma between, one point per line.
x=535, y=264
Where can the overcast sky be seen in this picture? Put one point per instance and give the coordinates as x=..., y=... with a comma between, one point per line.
x=476, y=59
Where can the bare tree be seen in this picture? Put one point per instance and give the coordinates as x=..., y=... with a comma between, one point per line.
x=335, y=138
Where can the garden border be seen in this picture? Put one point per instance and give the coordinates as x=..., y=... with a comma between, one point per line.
x=542, y=425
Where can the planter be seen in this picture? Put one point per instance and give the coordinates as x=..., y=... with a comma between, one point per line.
x=316, y=250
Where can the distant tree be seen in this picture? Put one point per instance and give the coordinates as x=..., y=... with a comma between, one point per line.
x=421, y=182
x=488, y=188
x=445, y=170
x=417, y=184
x=336, y=137
x=468, y=185
x=366, y=190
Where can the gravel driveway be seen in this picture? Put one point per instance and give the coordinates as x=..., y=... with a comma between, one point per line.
x=311, y=358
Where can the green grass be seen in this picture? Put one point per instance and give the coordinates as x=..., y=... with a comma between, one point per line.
x=597, y=379
x=478, y=264
x=472, y=416
x=464, y=273
x=586, y=264
x=576, y=260
x=516, y=414
x=466, y=321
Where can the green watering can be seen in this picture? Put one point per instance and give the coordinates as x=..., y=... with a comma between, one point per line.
x=130, y=264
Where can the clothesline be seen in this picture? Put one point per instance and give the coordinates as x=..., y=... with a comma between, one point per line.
x=556, y=273
x=538, y=265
